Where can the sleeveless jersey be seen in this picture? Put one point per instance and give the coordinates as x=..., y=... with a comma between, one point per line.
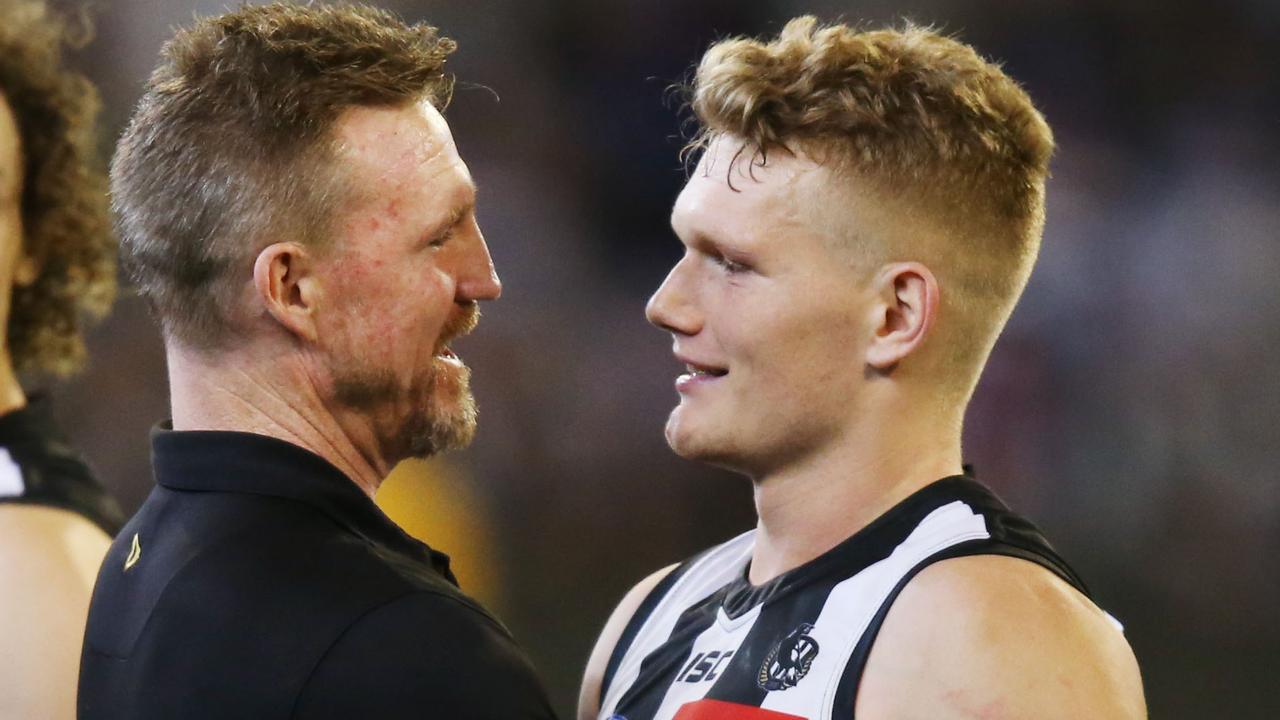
x=706, y=644
x=38, y=467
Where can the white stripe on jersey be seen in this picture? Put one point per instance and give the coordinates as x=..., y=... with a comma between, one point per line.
x=853, y=603
x=716, y=569
x=845, y=615
x=723, y=633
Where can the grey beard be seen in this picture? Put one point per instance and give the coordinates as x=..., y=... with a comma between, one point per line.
x=429, y=428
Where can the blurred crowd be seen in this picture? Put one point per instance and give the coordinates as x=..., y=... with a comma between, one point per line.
x=1131, y=407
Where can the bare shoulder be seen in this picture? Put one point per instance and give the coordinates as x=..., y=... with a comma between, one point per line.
x=48, y=561
x=55, y=543
x=589, y=696
x=998, y=638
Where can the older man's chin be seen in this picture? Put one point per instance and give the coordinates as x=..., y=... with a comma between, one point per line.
x=444, y=417
x=439, y=429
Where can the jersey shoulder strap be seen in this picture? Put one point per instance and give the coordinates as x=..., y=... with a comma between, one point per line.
x=1010, y=535
x=691, y=581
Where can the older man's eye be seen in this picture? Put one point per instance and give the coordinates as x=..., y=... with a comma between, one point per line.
x=442, y=238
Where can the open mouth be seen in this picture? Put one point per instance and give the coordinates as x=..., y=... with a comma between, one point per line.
x=705, y=371
x=698, y=375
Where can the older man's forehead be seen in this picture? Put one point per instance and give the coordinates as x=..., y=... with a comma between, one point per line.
x=392, y=142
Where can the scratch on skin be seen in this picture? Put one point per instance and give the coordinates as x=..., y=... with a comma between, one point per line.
x=977, y=710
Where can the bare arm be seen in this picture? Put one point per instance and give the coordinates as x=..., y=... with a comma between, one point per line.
x=589, y=697
x=49, y=559
x=998, y=638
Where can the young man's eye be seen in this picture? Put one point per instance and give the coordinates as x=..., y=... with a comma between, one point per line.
x=730, y=266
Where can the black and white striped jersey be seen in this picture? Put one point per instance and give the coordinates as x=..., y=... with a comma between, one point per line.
x=706, y=644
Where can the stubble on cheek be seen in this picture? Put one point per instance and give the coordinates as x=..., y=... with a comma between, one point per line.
x=447, y=418
x=434, y=414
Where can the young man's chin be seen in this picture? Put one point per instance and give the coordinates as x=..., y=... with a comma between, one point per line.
x=692, y=442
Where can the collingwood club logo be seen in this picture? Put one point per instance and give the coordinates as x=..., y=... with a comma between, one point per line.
x=788, y=662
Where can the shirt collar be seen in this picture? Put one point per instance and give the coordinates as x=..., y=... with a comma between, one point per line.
x=247, y=463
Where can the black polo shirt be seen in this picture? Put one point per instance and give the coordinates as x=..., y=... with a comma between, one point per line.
x=257, y=581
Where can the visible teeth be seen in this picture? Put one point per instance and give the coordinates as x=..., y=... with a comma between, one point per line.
x=700, y=371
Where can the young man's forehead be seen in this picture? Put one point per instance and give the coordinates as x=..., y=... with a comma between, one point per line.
x=733, y=187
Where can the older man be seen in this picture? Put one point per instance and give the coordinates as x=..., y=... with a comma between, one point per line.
x=864, y=215
x=292, y=205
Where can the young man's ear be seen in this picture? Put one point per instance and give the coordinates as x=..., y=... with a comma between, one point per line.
x=287, y=287
x=905, y=310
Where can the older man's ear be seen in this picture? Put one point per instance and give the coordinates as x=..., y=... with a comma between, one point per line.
x=287, y=287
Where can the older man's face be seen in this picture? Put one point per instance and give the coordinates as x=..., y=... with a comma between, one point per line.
x=402, y=279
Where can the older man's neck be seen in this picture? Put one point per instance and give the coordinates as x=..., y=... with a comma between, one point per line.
x=274, y=397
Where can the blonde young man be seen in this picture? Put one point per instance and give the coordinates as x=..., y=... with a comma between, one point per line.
x=866, y=210
x=57, y=263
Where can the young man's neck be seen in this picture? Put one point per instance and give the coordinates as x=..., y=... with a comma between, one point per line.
x=269, y=396
x=808, y=508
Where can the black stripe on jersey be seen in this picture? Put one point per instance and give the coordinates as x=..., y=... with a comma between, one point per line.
x=641, y=614
x=739, y=682
x=798, y=596
x=795, y=597
x=866, y=547
x=1011, y=536
x=659, y=669
x=807, y=587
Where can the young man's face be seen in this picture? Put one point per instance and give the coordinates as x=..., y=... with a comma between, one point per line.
x=406, y=269
x=767, y=310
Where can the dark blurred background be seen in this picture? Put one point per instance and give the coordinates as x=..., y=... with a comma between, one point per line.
x=1131, y=407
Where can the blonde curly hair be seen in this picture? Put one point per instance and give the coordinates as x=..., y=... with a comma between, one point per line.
x=927, y=122
x=65, y=218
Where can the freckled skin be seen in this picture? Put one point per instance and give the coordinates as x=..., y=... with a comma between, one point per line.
x=392, y=297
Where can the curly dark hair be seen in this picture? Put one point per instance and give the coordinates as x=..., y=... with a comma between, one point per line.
x=230, y=147
x=65, y=216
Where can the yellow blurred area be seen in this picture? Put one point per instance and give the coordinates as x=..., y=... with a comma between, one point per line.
x=436, y=502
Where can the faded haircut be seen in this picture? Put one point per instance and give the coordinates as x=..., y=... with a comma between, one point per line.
x=231, y=148
x=924, y=120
